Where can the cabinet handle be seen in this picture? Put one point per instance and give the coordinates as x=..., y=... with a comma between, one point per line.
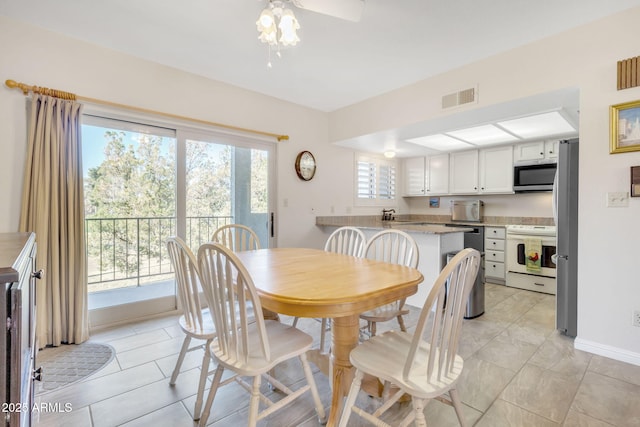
x=38, y=274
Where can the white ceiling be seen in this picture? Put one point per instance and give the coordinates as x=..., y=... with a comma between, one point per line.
x=337, y=63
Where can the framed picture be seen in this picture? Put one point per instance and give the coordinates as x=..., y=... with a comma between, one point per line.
x=625, y=127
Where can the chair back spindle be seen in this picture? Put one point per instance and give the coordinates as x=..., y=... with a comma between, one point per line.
x=234, y=302
x=237, y=237
x=346, y=240
x=445, y=314
x=187, y=278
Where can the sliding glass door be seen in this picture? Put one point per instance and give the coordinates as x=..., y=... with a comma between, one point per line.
x=144, y=183
x=225, y=182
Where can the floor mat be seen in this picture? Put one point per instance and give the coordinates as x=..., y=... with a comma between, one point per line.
x=69, y=363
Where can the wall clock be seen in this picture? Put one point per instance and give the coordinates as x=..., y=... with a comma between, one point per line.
x=305, y=165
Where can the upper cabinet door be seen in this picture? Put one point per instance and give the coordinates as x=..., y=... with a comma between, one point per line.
x=463, y=172
x=528, y=151
x=438, y=174
x=414, y=176
x=496, y=170
x=551, y=149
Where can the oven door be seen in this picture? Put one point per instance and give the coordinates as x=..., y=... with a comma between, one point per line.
x=516, y=261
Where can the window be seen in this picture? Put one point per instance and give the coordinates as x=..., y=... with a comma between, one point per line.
x=375, y=181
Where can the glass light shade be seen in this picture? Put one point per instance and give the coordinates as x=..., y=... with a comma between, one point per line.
x=288, y=25
x=266, y=20
x=269, y=36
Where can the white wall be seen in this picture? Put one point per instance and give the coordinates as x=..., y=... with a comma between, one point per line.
x=609, y=285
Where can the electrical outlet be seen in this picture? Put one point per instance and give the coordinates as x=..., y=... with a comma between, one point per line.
x=636, y=318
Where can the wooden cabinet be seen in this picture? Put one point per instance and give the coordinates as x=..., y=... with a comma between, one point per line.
x=494, y=258
x=426, y=175
x=496, y=170
x=17, y=309
x=463, y=172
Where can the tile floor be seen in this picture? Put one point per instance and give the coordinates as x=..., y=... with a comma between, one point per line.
x=518, y=372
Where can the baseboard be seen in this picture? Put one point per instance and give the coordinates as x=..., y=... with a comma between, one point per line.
x=607, y=351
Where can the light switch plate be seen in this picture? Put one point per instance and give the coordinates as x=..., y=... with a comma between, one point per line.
x=617, y=200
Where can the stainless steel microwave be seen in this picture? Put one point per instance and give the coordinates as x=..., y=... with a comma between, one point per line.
x=529, y=176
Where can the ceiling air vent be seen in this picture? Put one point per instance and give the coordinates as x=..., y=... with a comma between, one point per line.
x=466, y=96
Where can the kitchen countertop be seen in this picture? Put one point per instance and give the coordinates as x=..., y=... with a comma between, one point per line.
x=425, y=223
x=403, y=225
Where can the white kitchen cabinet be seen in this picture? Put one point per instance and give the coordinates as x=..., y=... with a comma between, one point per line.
x=551, y=149
x=463, y=172
x=437, y=173
x=539, y=150
x=496, y=170
x=426, y=175
x=414, y=176
x=494, y=256
x=528, y=151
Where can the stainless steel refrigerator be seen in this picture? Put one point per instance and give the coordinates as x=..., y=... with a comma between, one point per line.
x=565, y=212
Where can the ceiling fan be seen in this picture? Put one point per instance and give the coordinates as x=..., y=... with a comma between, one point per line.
x=350, y=10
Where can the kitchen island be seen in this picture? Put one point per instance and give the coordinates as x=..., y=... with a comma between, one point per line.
x=434, y=242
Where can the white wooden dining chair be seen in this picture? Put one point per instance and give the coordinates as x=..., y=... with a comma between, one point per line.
x=395, y=247
x=347, y=241
x=424, y=365
x=194, y=322
x=237, y=237
x=249, y=349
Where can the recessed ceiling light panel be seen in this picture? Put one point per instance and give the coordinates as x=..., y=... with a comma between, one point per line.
x=539, y=125
x=483, y=135
x=439, y=142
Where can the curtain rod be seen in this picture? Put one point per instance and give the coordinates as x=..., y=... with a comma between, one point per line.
x=71, y=96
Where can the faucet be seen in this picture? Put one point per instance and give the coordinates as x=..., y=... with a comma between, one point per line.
x=387, y=214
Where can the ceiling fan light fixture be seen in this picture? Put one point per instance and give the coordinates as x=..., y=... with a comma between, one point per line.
x=277, y=26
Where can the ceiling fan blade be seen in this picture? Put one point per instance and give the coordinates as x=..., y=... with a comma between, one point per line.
x=350, y=10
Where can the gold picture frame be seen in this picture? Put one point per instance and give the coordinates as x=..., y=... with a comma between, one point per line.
x=624, y=120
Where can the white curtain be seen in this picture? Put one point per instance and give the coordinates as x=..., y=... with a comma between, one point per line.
x=53, y=208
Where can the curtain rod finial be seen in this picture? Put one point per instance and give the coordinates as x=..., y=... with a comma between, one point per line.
x=14, y=84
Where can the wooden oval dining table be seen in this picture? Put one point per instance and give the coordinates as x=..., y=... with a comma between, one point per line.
x=318, y=284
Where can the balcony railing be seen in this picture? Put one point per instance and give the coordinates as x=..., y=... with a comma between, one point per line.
x=132, y=251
